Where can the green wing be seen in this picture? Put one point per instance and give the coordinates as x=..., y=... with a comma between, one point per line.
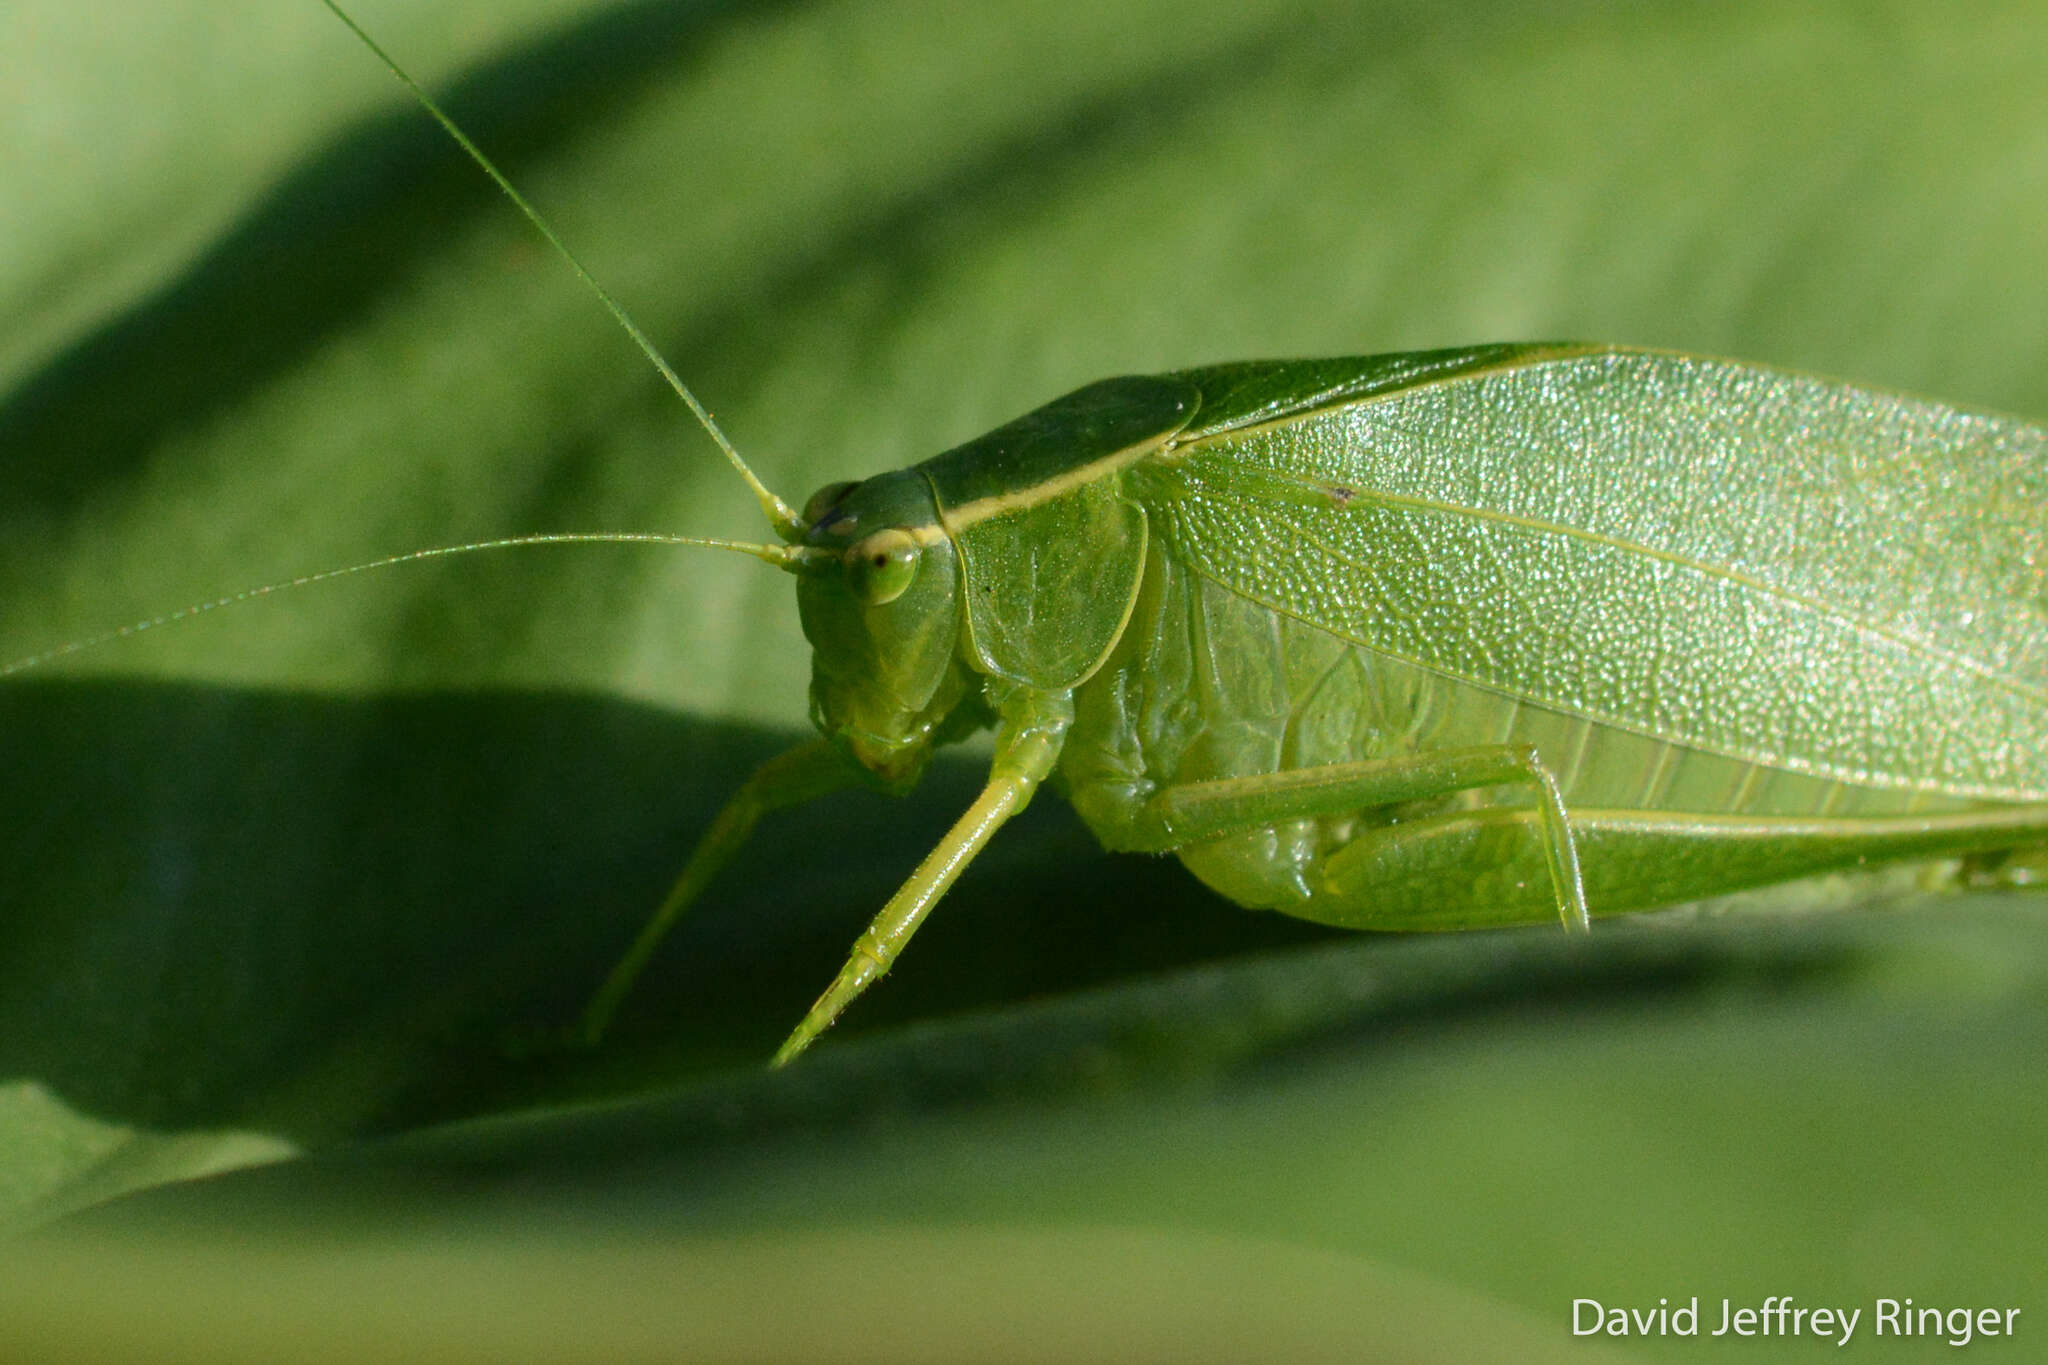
x=1249, y=393
x=1765, y=565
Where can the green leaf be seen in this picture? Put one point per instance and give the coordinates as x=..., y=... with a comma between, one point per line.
x=285, y=879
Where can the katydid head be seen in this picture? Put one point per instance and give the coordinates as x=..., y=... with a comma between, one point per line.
x=879, y=597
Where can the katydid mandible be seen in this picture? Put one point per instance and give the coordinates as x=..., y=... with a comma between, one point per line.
x=1483, y=636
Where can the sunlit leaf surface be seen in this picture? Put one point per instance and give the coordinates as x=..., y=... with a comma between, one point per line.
x=290, y=879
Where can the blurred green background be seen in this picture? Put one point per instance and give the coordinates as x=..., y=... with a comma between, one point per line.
x=287, y=880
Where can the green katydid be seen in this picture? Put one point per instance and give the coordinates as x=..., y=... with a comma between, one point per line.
x=1457, y=638
x=1405, y=641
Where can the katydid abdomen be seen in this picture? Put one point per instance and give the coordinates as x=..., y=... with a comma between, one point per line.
x=1657, y=823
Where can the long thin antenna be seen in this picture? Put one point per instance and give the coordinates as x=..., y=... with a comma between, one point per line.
x=790, y=557
x=780, y=514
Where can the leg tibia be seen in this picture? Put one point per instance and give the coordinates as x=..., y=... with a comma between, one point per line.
x=1027, y=745
x=789, y=779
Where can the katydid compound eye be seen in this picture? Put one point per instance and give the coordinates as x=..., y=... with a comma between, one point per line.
x=824, y=500
x=879, y=567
